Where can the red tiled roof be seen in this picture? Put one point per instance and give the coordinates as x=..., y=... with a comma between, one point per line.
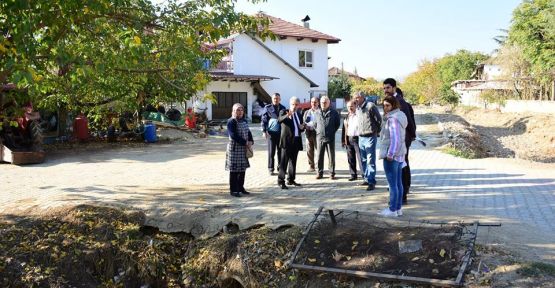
x=281, y=27
x=334, y=71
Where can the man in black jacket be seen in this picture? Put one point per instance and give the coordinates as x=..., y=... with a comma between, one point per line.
x=326, y=125
x=271, y=130
x=290, y=142
x=390, y=88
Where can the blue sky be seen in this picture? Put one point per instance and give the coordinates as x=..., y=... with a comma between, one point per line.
x=388, y=38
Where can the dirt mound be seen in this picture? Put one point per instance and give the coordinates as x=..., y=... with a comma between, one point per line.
x=463, y=140
x=87, y=247
x=479, y=133
x=421, y=250
x=90, y=246
x=521, y=135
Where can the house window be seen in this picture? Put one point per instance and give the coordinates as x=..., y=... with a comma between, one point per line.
x=305, y=58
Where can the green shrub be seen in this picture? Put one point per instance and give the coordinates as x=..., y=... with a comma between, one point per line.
x=536, y=269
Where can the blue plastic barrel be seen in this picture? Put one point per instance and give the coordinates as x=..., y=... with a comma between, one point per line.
x=150, y=133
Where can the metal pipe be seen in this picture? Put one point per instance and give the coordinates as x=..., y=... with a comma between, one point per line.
x=305, y=233
x=363, y=274
x=332, y=217
x=466, y=259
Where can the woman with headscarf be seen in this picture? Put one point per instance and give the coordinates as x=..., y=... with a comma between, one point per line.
x=392, y=151
x=240, y=139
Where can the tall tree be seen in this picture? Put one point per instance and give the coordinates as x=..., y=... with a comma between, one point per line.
x=423, y=85
x=84, y=53
x=533, y=29
x=432, y=81
x=456, y=67
x=370, y=86
x=339, y=86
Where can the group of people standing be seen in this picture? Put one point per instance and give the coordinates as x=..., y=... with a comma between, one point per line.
x=283, y=127
x=283, y=130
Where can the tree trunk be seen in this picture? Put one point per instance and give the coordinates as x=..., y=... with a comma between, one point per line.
x=62, y=121
x=553, y=90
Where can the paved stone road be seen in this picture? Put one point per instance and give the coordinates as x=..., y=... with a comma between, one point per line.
x=183, y=186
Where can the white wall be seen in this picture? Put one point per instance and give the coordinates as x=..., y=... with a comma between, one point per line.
x=492, y=72
x=252, y=59
x=227, y=86
x=472, y=98
x=288, y=49
x=544, y=107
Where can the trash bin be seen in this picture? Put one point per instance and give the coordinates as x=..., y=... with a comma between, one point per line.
x=150, y=133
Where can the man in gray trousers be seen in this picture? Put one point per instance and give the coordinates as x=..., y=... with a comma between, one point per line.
x=326, y=125
x=309, y=118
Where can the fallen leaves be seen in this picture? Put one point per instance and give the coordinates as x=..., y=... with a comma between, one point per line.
x=355, y=244
x=442, y=253
x=278, y=264
x=337, y=256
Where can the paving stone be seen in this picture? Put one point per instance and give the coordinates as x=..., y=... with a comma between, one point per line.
x=185, y=182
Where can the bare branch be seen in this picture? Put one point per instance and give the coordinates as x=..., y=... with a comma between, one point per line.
x=172, y=84
x=142, y=70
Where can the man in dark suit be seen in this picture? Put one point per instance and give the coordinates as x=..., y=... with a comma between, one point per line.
x=271, y=130
x=290, y=142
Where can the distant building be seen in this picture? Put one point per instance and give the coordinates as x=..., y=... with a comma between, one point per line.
x=334, y=72
x=485, y=77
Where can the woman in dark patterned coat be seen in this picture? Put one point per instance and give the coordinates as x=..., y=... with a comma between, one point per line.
x=240, y=138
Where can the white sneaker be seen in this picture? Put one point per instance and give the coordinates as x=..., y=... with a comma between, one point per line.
x=400, y=212
x=388, y=213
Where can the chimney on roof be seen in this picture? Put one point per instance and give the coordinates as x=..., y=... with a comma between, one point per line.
x=305, y=22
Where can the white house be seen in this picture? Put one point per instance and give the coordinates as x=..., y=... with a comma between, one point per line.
x=486, y=77
x=296, y=64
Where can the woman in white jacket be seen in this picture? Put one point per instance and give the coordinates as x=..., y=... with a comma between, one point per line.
x=392, y=151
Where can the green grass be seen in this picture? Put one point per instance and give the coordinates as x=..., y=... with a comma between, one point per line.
x=536, y=269
x=458, y=153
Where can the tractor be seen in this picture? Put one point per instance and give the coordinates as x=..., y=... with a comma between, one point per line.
x=20, y=131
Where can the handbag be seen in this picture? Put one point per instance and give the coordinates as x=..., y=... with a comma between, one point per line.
x=249, y=151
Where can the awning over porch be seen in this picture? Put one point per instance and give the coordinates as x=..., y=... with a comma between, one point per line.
x=254, y=79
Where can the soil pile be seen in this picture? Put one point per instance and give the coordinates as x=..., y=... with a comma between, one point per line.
x=370, y=245
x=522, y=135
x=91, y=246
x=479, y=133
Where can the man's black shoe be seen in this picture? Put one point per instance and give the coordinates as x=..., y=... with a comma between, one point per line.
x=370, y=187
x=319, y=176
x=235, y=194
x=246, y=192
x=293, y=183
x=364, y=183
x=283, y=186
x=352, y=178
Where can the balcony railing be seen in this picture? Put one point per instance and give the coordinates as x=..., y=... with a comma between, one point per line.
x=223, y=66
